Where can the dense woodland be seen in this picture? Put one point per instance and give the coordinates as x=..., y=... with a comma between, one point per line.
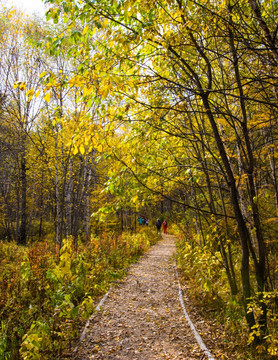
x=114, y=109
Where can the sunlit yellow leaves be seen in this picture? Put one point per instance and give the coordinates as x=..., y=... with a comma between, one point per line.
x=30, y=94
x=75, y=150
x=22, y=86
x=87, y=91
x=104, y=90
x=76, y=81
x=135, y=199
x=99, y=148
x=11, y=14
x=82, y=149
x=87, y=148
x=85, y=30
x=43, y=74
x=51, y=83
x=19, y=84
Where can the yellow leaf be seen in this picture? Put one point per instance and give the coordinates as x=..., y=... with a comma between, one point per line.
x=82, y=149
x=47, y=97
x=15, y=85
x=99, y=148
x=30, y=92
x=85, y=30
x=38, y=93
x=43, y=74
x=22, y=86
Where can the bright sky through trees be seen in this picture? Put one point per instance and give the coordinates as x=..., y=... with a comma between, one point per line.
x=28, y=6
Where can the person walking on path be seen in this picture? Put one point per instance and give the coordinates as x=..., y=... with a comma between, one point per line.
x=164, y=224
x=158, y=225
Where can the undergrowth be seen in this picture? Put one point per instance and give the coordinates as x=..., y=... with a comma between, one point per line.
x=44, y=300
x=204, y=274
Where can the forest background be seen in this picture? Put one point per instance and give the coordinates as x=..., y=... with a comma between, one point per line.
x=115, y=109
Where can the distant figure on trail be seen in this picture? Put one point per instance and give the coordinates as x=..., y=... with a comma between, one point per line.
x=164, y=224
x=147, y=221
x=140, y=220
x=158, y=225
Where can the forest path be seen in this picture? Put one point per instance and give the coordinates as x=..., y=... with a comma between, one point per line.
x=142, y=317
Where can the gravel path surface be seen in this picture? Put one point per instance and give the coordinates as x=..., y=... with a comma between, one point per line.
x=142, y=318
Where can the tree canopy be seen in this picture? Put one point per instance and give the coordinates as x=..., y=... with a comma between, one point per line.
x=167, y=107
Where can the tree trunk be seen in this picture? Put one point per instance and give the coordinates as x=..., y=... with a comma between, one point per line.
x=228, y=259
x=23, y=209
x=69, y=201
x=88, y=203
x=241, y=225
x=249, y=170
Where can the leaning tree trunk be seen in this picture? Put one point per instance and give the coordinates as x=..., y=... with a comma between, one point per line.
x=241, y=225
x=259, y=260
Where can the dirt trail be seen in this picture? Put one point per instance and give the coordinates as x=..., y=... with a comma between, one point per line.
x=142, y=318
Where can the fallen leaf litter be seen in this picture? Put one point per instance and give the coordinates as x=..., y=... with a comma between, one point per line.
x=142, y=319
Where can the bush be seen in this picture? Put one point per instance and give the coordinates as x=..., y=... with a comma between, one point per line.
x=44, y=301
x=203, y=270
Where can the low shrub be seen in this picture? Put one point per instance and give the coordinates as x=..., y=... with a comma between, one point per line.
x=203, y=271
x=43, y=302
